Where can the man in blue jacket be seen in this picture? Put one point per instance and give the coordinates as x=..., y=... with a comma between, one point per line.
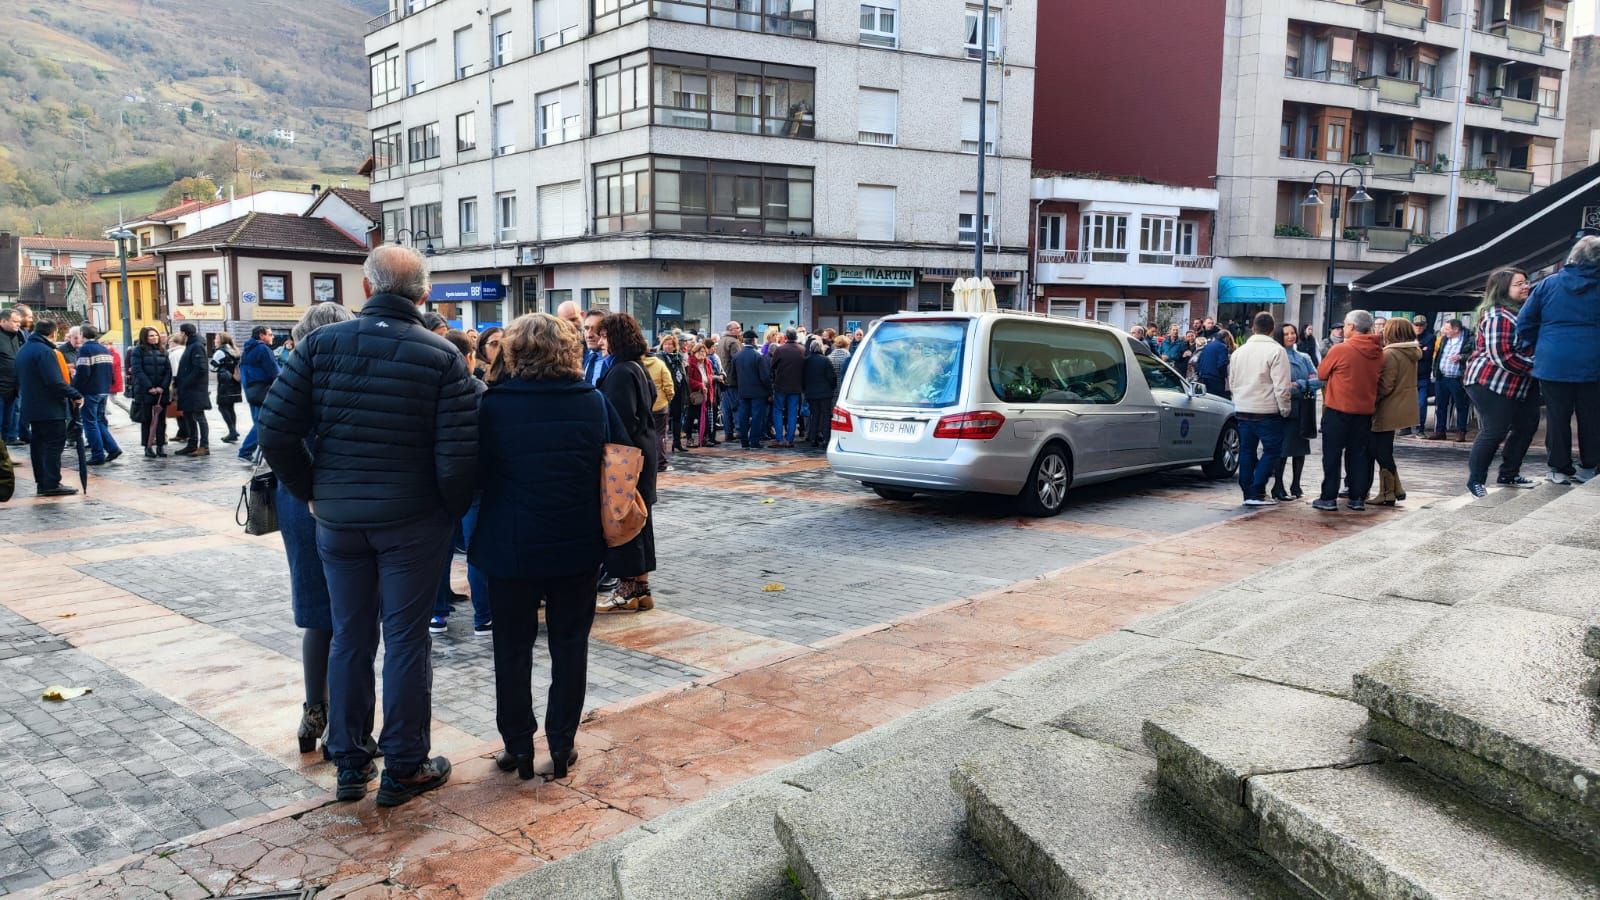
x=754, y=376
x=258, y=368
x=1560, y=324
x=93, y=374
x=47, y=402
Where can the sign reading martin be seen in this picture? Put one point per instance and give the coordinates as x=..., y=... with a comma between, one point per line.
x=477, y=290
x=825, y=277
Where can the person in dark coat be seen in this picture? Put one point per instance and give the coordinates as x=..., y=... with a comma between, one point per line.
x=94, y=375
x=258, y=367
x=542, y=430
x=821, y=386
x=1211, y=365
x=11, y=340
x=672, y=353
x=192, y=384
x=788, y=361
x=8, y=478
x=151, y=372
x=1560, y=325
x=630, y=392
x=753, y=382
x=225, y=362
x=391, y=411
x=47, y=403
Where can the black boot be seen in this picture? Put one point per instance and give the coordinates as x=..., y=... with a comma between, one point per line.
x=522, y=764
x=313, y=726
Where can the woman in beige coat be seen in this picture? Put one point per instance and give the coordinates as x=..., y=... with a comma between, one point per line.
x=1396, y=405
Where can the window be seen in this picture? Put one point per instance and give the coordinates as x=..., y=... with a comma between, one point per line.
x=560, y=210
x=386, y=151
x=466, y=132
x=1036, y=362
x=386, y=84
x=504, y=128
x=504, y=40
x=505, y=206
x=276, y=287
x=597, y=298
x=966, y=228
x=424, y=141
x=621, y=93
x=394, y=220
x=325, y=289
x=1428, y=74
x=419, y=69
x=667, y=193
x=736, y=95
x=40, y=260
x=78, y=261
x=554, y=298
x=1333, y=151
x=878, y=114
x=975, y=37
x=794, y=18
x=467, y=220
x=874, y=212
x=1172, y=312
x=1105, y=237
x=559, y=118
x=969, y=127
x=1058, y=308
x=556, y=22
x=1550, y=95
x=1156, y=239
x=1159, y=375
x=609, y=14
x=186, y=289
x=1052, y=234
x=880, y=23
x=910, y=363
x=1187, y=245
x=462, y=43
x=213, y=283
x=661, y=310
x=427, y=223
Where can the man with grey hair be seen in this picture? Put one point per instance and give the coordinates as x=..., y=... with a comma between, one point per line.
x=1560, y=327
x=11, y=338
x=393, y=412
x=728, y=346
x=1350, y=396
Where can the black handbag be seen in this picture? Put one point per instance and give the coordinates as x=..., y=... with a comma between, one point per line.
x=257, y=511
x=139, y=412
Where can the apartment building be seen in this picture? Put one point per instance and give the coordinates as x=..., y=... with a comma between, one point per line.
x=1583, y=105
x=778, y=162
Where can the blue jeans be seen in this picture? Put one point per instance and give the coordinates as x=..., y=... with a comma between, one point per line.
x=11, y=419
x=388, y=577
x=96, y=431
x=730, y=413
x=477, y=582
x=308, y=586
x=785, y=416
x=1424, y=391
x=248, y=448
x=1255, y=469
x=752, y=420
x=1449, y=392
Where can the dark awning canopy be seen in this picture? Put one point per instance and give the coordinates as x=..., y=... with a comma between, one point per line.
x=1534, y=233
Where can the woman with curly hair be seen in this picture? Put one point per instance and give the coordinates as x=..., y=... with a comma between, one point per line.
x=630, y=391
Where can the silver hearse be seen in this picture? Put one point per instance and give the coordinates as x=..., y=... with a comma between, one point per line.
x=1019, y=405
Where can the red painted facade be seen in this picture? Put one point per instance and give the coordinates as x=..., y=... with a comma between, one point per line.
x=1130, y=87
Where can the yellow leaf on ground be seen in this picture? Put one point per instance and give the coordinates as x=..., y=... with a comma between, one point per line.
x=66, y=615
x=769, y=500
x=58, y=693
x=773, y=588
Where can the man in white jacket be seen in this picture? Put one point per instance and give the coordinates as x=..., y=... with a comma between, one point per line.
x=1258, y=378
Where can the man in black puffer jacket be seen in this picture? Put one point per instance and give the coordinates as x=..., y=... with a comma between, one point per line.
x=388, y=409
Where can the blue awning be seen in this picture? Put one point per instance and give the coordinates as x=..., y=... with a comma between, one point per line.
x=1250, y=290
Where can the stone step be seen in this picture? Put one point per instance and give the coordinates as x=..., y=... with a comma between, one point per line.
x=1044, y=691
x=1207, y=748
x=728, y=851
x=1117, y=717
x=1591, y=637
x=893, y=830
x=1557, y=579
x=1502, y=701
x=1503, y=507
x=586, y=875
x=1065, y=816
x=1392, y=830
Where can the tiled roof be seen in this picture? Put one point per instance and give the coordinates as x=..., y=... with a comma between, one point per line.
x=361, y=202
x=70, y=245
x=269, y=231
x=181, y=209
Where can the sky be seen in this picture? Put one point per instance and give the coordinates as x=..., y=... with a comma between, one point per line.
x=1585, y=15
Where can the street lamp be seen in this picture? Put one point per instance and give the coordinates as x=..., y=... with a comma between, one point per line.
x=983, y=135
x=122, y=236
x=413, y=238
x=1314, y=198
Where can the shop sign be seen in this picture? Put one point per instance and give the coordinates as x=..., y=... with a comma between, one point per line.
x=199, y=313
x=477, y=290
x=825, y=277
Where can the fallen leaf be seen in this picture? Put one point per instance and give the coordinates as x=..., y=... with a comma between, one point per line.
x=769, y=500
x=773, y=588
x=66, y=615
x=59, y=694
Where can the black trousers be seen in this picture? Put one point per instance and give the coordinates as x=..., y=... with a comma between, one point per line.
x=1344, y=439
x=199, y=428
x=229, y=416
x=821, y=419
x=1563, y=399
x=1501, y=418
x=49, y=440
x=569, y=614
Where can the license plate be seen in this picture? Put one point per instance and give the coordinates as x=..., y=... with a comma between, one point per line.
x=893, y=431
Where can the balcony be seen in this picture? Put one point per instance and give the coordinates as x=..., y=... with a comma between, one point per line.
x=1388, y=165
x=1515, y=109
x=1518, y=38
x=1388, y=240
x=1518, y=181
x=383, y=21
x=1398, y=12
x=1394, y=90
x=1115, y=267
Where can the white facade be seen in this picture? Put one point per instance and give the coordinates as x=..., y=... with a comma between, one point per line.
x=1427, y=103
x=890, y=180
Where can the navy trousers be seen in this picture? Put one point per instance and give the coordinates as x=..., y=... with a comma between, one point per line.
x=383, y=577
x=752, y=421
x=1254, y=469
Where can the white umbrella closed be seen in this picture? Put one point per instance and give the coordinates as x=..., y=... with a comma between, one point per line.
x=963, y=296
x=984, y=294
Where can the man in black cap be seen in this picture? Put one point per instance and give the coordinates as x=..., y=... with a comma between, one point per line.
x=754, y=384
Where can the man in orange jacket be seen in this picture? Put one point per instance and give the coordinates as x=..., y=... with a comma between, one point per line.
x=1350, y=396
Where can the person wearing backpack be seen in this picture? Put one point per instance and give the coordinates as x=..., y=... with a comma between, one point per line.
x=225, y=362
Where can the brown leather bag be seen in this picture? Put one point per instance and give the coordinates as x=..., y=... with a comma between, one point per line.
x=622, y=510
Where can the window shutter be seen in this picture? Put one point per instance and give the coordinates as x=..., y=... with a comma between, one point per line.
x=875, y=212
x=969, y=121
x=561, y=210
x=879, y=111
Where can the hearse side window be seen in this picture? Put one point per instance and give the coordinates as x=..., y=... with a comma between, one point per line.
x=1037, y=362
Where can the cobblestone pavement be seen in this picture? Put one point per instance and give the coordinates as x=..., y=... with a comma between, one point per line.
x=148, y=593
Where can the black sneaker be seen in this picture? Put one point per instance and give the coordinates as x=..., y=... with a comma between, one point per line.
x=1357, y=505
x=353, y=782
x=393, y=790
x=1324, y=505
x=1517, y=481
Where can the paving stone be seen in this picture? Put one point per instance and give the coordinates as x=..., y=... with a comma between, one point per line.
x=1500, y=509
x=1065, y=816
x=728, y=852
x=1208, y=747
x=1392, y=830
x=1510, y=687
x=582, y=876
x=1556, y=579
x=1118, y=716
x=893, y=830
x=1450, y=579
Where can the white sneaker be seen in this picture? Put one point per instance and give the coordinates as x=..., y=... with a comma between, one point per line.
x=1555, y=477
x=1585, y=476
x=1268, y=501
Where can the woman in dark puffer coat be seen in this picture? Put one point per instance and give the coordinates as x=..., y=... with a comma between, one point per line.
x=152, y=388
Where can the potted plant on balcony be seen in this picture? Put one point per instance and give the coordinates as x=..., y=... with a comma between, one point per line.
x=1290, y=231
x=1441, y=164
x=1352, y=234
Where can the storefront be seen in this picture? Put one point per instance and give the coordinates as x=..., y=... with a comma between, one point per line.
x=851, y=298
x=479, y=303
x=1239, y=298
x=936, y=292
x=761, y=310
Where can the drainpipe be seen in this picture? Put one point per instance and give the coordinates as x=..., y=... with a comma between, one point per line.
x=1463, y=80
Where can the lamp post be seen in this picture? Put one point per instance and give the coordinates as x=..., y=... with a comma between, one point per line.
x=122, y=236
x=1315, y=199
x=413, y=238
x=983, y=135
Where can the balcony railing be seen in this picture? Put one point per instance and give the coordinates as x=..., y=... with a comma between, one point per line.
x=1085, y=257
x=1394, y=90
x=1516, y=180
x=1524, y=39
x=1387, y=239
x=1392, y=165
x=1398, y=12
x=1193, y=262
x=388, y=18
x=1515, y=109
